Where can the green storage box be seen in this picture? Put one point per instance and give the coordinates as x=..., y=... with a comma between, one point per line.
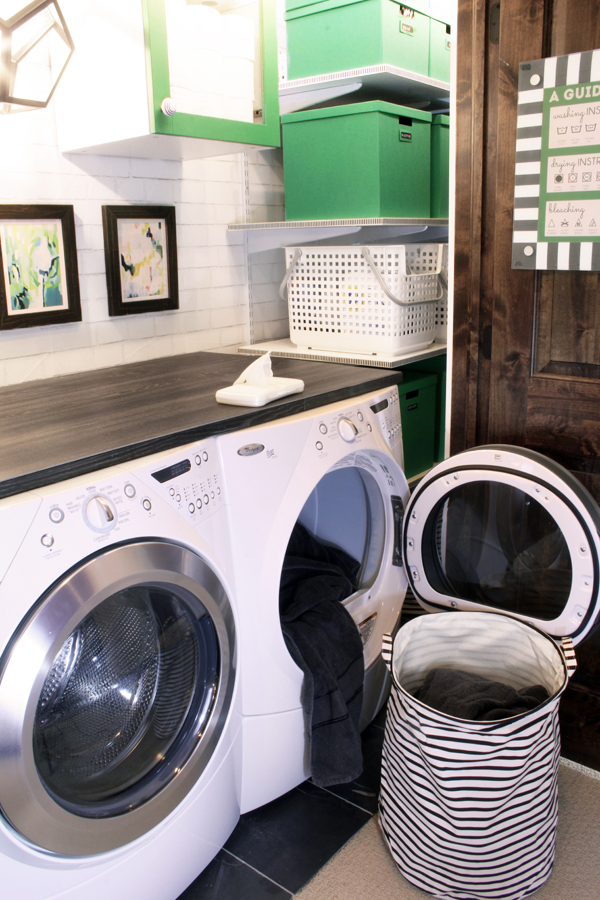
x=439, y=50
x=436, y=365
x=337, y=35
x=363, y=160
x=418, y=416
x=440, y=166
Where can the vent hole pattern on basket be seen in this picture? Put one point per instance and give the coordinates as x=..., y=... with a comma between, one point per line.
x=336, y=302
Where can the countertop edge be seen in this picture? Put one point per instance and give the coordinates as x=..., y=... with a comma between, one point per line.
x=247, y=417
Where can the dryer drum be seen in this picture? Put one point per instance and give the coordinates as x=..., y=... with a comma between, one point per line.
x=118, y=695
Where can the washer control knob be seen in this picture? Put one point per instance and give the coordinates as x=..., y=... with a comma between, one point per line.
x=347, y=430
x=192, y=507
x=56, y=515
x=129, y=490
x=147, y=504
x=99, y=514
x=47, y=540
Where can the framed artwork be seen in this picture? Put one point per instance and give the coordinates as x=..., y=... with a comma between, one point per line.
x=140, y=249
x=39, y=283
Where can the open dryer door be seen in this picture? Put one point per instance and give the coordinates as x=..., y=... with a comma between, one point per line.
x=114, y=692
x=504, y=529
x=358, y=507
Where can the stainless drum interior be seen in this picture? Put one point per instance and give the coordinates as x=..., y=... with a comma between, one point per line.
x=113, y=695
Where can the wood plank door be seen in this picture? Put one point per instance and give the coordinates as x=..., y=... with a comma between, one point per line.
x=526, y=366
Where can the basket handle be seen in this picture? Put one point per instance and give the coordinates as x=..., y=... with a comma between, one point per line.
x=288, y=272
x=386, y=290
x=569, y=651
x=387, y=648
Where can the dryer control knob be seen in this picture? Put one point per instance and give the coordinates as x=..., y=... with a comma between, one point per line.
x=347, y=430
x=99, y=514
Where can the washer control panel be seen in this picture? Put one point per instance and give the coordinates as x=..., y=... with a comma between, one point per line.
x=189, y=480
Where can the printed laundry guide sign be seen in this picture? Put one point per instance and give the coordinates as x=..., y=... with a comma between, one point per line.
x=556, y=222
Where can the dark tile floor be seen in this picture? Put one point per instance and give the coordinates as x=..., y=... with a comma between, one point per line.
x=275, y=850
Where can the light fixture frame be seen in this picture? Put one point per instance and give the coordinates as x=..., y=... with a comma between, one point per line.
x=8, y=65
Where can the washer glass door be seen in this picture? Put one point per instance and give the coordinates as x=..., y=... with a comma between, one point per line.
x=123, y=706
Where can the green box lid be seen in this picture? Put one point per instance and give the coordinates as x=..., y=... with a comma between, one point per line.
x=291, y=5
x=440, y=119
x=352, y=109
x=420, y=6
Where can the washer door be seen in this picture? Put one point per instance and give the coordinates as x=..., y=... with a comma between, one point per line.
x=113, y=695
x=506, y=530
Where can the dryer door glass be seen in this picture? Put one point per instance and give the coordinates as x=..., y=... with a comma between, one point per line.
x=123, y=702
x=491, y=543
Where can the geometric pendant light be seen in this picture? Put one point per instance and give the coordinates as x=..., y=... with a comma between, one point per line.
x=35, y=47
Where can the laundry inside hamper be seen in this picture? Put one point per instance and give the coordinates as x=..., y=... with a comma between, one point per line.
x=469, y=808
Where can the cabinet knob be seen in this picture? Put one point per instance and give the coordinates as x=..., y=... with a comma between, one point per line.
x=168, y=106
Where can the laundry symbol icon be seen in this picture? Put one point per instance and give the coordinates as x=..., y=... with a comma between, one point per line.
x=572, y=178
x=551, y=224
x=564, y=223
x=561, y=130
x=575, y=129
x=558, y=179
x=586, y=177
x=578, y=223
x=590, y=127
x=593, y=224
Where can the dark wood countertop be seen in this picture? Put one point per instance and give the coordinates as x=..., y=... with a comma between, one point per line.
x=62, y=427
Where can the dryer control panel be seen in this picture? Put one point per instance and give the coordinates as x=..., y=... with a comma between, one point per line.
x=380, y=412
x=387, y=414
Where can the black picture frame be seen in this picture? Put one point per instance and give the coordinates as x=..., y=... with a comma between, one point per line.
x=39, y=278
x=131, y=268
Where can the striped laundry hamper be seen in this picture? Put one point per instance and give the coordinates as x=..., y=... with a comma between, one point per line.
x=469, y=808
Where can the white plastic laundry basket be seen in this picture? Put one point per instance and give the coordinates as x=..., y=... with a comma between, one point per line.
x=469, y=808
x=366, y=299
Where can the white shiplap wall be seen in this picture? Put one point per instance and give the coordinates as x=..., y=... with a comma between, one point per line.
x=214, y=277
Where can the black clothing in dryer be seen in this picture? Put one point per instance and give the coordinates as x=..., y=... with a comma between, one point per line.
x=324, y=641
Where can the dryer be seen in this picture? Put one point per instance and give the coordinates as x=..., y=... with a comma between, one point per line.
x=120, y=762
x=338, y=471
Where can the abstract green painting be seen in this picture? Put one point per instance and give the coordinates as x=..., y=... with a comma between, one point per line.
x=33, y=270
x=39, y=280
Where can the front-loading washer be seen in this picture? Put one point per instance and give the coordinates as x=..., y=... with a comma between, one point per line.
x=120, y=762
x=336, y=470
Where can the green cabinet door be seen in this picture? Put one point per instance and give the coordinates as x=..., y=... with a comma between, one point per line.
x=170, y=112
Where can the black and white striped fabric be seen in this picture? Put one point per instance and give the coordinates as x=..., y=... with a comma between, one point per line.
x=469, y=808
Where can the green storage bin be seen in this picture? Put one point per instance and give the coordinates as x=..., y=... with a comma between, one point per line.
x=363, y=160
x=440, y=166
x=336, y=35
x=436, y=365
x=439, y=50
x=417, y=414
